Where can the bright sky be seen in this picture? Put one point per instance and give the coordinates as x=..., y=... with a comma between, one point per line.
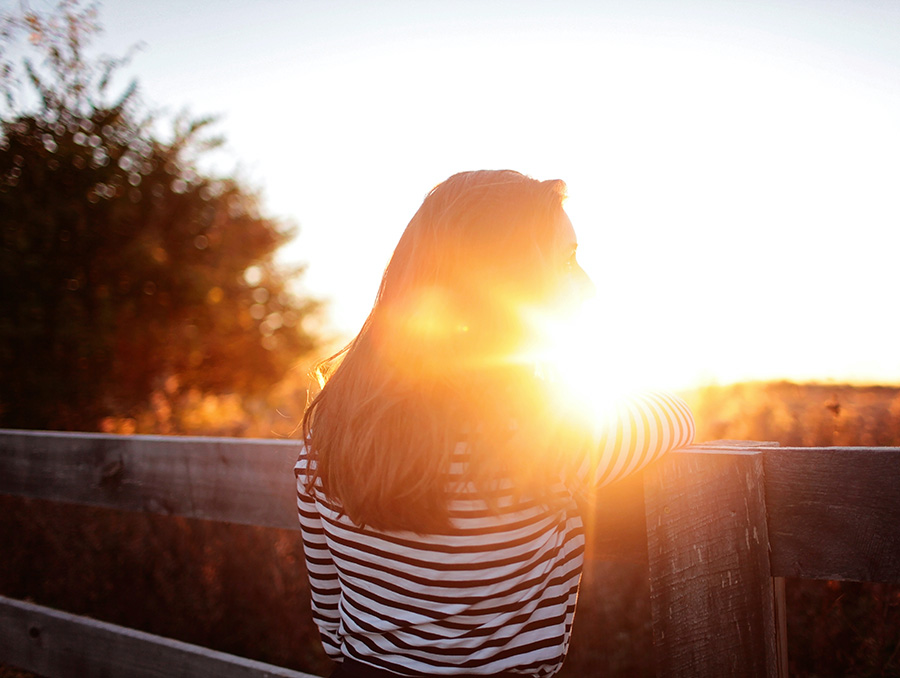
x=733, y=167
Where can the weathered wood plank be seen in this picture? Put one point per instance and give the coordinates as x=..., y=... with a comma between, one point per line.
x=711, y=590
x=224, y=479
x=228, y=479
x=781, y=641
x=60, y=645
x=834, y=513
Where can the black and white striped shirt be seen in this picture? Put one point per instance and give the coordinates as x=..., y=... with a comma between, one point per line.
x=497, y=592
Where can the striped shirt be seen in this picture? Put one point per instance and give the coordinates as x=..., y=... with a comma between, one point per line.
x=495, y=593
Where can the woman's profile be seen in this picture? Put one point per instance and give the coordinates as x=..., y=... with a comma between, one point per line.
x=441, y=472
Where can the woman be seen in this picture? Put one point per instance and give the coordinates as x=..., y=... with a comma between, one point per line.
x=438, y=483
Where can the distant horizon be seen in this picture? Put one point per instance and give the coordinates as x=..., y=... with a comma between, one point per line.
x=795, y=382
x=335, y=345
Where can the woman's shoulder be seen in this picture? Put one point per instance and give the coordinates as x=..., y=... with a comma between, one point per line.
x=306, y=462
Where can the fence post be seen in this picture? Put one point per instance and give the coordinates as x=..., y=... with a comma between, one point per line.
x=711, y=588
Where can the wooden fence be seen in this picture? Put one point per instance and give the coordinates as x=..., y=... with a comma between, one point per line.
x=719, y=525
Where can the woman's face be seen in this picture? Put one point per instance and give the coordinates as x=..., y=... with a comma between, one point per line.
x=574, y=287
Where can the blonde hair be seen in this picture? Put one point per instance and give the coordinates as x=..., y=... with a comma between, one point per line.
x=436, y=360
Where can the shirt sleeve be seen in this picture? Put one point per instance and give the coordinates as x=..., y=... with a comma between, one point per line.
x=324, y=587
x=637, y=431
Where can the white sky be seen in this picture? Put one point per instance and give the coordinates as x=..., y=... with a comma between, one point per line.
x=733, y=167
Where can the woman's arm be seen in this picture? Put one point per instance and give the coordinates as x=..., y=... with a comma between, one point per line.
x=637, y=431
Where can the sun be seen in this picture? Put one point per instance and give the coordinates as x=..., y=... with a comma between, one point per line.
x=573, y=352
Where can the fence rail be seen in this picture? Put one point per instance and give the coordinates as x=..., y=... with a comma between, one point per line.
x=61, y=645
x=719, y=526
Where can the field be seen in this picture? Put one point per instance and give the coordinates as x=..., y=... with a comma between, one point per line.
x=242, y=589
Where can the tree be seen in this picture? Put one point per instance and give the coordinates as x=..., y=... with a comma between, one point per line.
x=124, y=268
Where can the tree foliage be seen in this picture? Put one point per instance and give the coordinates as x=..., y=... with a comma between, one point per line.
x=124, y=269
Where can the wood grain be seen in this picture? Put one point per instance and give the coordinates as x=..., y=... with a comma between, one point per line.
x=61, y=645
x=230, y=480
x=711, y=590
x=834, y=513
x=224, y=479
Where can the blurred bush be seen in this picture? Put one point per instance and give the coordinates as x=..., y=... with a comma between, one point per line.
x=131, y=278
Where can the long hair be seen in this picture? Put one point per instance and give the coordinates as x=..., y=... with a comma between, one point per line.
x=439, y=359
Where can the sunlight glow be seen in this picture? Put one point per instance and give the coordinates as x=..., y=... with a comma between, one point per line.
x=733, y=164
x=570, y=353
